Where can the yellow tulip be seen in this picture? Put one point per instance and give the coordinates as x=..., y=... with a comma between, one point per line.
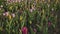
x=30, y=22
x=10, y=17
x=11, y=7
x=21, y=18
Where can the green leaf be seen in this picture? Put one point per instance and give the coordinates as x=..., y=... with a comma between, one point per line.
x=31, y=30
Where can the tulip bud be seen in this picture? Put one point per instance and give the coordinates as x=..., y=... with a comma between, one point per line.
x=10, y=17
x=49, y=23
x=21, y=18
x=7, y=13
x=30, y=22
x=24, y=30
x=34, y=30
x=13, y=15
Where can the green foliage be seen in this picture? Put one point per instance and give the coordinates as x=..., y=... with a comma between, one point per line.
x=40, y=15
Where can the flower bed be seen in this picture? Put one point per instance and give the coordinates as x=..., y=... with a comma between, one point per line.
x=29, y=17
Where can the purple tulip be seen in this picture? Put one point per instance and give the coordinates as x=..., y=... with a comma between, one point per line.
x=24, y=30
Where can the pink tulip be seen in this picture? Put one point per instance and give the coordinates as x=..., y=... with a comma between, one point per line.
x=24, y=30
x=49, y=23
x=31, y=10
x=13, y=15
x=34, y=30
x=6, y=13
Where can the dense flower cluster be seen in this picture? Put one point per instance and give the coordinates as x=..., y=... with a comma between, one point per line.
x=28, y=16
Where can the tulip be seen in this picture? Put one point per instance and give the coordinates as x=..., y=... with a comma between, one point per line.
x=34, y=30
x=31, y=10
x=6, y=13
x=49, y=23
x=24, y=30
x=52, y=9
x=13, y=15
x=10, y=17
x=30, y=22
x=21, y=18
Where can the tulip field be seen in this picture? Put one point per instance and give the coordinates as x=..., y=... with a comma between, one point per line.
x=29, y=16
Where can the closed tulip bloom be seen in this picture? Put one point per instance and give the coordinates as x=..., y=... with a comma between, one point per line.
x=6, y=13
x=24, y=30
x=31, y=10
x=21, y=18
x=49, y=23
x=30, y=22
x=13, y=15
x=10, y=17
x=52, y=9
x=35, y=30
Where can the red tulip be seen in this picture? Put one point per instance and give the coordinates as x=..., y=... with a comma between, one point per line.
x=24, y=30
